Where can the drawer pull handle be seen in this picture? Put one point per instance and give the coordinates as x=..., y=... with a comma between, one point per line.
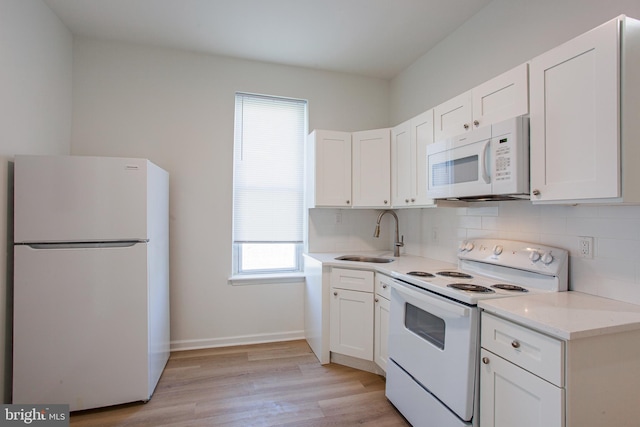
x=485, y=360
x=515, y=344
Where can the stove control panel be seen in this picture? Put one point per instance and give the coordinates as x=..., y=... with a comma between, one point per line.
x=527, y=256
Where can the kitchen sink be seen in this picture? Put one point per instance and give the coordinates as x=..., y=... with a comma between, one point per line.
x=359, y=258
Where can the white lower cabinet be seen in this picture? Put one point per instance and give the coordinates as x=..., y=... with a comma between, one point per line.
x=521, y=376
x=381, y=320
x=351, y=313
x=359, y=316
x=531, y=379
x=512, y=396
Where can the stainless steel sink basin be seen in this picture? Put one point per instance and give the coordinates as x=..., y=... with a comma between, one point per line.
x=359, y=258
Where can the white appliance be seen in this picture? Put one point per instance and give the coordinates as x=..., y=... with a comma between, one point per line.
x=489, y=163
x=91, y=280
x=434, y=329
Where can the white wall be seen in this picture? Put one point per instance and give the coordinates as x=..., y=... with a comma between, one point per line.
x=35, y=118
x=504, y=34
x=176, y=108
x=501, y=36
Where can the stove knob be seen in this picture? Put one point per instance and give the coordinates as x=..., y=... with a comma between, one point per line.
x=546, y=258
x=534, y=256
x=462, y=247
x=469, y=246
x=497, y=249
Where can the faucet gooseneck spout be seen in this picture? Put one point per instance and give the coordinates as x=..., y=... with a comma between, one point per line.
x=399, y=242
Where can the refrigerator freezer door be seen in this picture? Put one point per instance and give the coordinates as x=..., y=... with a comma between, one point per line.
x=75, y=198
x=80, y=326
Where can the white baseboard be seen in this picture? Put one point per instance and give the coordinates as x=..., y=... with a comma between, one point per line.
x=182, y=345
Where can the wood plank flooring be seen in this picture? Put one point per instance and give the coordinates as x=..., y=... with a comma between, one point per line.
x=275, y=384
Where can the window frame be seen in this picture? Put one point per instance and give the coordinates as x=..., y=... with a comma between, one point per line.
x=238, y=274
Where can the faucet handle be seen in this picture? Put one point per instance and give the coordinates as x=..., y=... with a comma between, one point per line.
x=401, y=242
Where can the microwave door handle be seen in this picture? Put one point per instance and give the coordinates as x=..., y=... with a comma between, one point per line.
x=483, y=163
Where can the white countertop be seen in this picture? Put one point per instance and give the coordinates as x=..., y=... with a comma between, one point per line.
x=567, y=315
x=401, y=264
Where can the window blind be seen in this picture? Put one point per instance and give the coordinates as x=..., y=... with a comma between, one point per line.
x=268, y=169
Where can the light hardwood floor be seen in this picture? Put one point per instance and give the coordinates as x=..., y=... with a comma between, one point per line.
x=275, y=384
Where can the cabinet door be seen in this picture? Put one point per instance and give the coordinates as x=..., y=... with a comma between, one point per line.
x=453, y=117
x=511, y=396
x=421, y=136
x=330, y=167
x=502, y=97
x=381, y=330
x=575, y=148
x=401, y=165
x=351, y=323
x=372, y=168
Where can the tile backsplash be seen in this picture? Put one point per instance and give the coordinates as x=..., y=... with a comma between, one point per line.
x=613, y=272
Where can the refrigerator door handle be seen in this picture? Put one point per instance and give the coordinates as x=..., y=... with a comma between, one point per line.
x=85, y=245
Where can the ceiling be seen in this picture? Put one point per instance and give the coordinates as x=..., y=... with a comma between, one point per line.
x=376, y=38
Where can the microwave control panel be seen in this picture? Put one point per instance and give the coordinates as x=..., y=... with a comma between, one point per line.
x=510, y=157
x=503, y=159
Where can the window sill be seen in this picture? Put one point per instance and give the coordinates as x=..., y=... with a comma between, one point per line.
x=263, y=279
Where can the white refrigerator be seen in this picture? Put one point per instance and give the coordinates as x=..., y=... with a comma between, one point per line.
x=91, y=280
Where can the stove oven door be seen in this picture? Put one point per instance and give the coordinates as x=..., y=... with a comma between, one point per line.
x=435, y=341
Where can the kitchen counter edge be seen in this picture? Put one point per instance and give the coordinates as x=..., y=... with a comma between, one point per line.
x=567, y=315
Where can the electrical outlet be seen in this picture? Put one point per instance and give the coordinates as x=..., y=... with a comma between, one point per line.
x=585, y=247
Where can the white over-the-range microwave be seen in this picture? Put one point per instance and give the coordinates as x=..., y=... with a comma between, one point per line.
x=488, y=163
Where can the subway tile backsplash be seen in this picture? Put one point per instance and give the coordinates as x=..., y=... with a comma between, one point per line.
x=613, y=272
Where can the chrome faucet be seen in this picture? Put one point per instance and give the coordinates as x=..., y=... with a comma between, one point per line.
x=399, y=242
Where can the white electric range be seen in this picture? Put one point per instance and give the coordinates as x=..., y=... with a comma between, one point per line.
x=434, y=337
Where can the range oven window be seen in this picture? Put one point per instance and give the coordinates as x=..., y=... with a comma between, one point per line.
x=455, y=171
x=427, y=326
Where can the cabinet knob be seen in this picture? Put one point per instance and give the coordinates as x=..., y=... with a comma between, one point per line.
x=384, y=286
x=406, y=200
x=335, y=294
x=536, y=192
x=476, y=123
x=515, y=344
x=385, y=202
x=466, y=125
x=348, y=202
x=376, y=300
x=413, y=200
x=485, y=360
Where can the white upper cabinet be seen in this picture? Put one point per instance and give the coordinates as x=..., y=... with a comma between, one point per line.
x=372, y=168
x=453, y=117
x=401, y=165
x=409, y=142
x=585, y=98
x=498, y=99
x=328, y=171
x=502, y=97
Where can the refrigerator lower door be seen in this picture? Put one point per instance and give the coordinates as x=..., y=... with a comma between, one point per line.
x=80, y=326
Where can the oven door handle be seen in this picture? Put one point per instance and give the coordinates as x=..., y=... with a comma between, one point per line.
x=449, y=307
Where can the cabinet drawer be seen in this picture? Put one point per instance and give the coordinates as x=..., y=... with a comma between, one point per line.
x=383, y=285
x=355, y=280
x=531, y=350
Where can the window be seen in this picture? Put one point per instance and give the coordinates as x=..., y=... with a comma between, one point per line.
x=268, y=184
